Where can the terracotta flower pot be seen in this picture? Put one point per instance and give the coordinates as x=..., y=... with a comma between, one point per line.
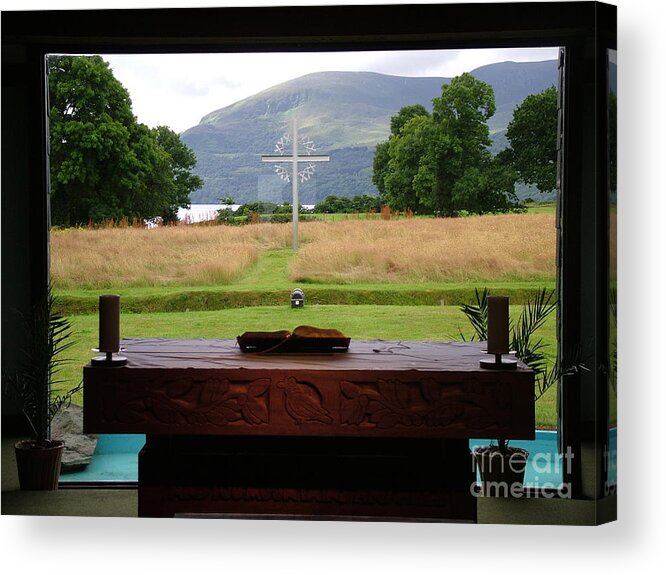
x=500, y=472
x=38, y=467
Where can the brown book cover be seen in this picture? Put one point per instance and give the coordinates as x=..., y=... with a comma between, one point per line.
x=303, y=339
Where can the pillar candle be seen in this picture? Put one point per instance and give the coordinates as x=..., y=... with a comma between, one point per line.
x=109, y=323
x=498, y=324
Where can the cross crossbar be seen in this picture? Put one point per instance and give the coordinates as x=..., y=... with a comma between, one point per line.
x=276, y=158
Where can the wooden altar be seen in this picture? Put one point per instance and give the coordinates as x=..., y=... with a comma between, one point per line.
x=379, y=432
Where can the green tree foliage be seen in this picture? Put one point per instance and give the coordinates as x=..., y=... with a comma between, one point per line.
x=380, y=166
x=104, y=164
x=532, y=134
x=405, y=114
x=440, y=162
x=453, y=171
x=381, y=169
x=406, y=152
x=181, y=162
x=342, y=205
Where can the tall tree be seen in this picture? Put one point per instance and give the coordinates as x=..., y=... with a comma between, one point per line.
x=457, y=157
x=104, y=164
x=441, y=162
x=181, y=161
x=532, y=134
x=406, y=152
x=381, y=171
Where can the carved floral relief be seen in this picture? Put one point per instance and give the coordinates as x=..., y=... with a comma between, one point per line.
x=389, y=403
x=191, y=401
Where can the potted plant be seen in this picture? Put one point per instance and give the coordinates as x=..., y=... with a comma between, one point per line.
x=501, y=464
x=48, y=336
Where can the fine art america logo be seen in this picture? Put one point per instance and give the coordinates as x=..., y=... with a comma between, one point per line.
x=500, y=481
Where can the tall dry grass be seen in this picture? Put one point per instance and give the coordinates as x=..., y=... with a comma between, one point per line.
x=502, y=247
x=177, y=255
x=488, y=248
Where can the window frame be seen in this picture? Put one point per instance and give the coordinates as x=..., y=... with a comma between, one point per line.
x=584, y=31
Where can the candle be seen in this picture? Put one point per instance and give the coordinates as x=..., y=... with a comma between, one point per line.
x=498, y=324
x=109, y=323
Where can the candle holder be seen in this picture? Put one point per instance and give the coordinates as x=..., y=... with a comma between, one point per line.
x=109, y=332
x=109, y=360
x=499, y=362
x=498, y=335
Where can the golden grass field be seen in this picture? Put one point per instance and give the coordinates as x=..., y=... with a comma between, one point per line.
x=170, y=255
x=481, y=248
x=500, y=248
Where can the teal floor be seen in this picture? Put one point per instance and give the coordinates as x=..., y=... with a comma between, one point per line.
x=116, y=460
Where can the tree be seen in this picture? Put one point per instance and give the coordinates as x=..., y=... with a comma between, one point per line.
x=532, y=134
x=441, y=162
x=489, y=189
x=104, y=164
x=380, y=164
x=182, y=160
x=457, y=157
x=333, y=205
x=406, y=152
x=405, y=114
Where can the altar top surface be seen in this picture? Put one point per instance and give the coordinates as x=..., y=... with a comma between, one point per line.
x=380, y=355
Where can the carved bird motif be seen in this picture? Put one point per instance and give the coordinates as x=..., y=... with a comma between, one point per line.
x=303, y=402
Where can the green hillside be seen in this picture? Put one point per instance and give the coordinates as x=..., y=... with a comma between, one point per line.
x=345, y=113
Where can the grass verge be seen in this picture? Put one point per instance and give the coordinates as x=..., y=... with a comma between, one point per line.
x=171, y=299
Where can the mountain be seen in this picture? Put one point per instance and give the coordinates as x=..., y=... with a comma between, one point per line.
x=345, y=114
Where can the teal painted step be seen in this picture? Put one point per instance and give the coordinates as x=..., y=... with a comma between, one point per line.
x=116, y=460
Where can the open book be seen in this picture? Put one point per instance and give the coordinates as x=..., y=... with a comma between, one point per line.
x=304, y=339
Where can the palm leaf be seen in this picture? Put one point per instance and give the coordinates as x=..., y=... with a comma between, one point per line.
x=48, y=335
x=477, y=314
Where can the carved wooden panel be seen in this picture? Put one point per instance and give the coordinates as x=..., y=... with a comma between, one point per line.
x=187, y=401
x=337, y=403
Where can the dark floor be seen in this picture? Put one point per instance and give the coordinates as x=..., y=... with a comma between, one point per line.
x=63, y=502
x=122, y=502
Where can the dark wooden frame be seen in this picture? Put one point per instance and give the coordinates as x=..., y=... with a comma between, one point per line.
x=584, y=29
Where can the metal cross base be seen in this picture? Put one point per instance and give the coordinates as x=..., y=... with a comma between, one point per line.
x=499, y=362
x=109, y=360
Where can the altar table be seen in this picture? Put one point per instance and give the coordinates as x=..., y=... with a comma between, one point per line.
x=378, y=432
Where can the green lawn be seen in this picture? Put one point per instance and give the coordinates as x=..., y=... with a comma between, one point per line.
x=541, y=208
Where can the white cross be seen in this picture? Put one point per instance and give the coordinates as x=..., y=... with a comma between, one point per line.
x=294, y=159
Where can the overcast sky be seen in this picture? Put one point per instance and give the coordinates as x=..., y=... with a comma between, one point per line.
x=177, y=90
